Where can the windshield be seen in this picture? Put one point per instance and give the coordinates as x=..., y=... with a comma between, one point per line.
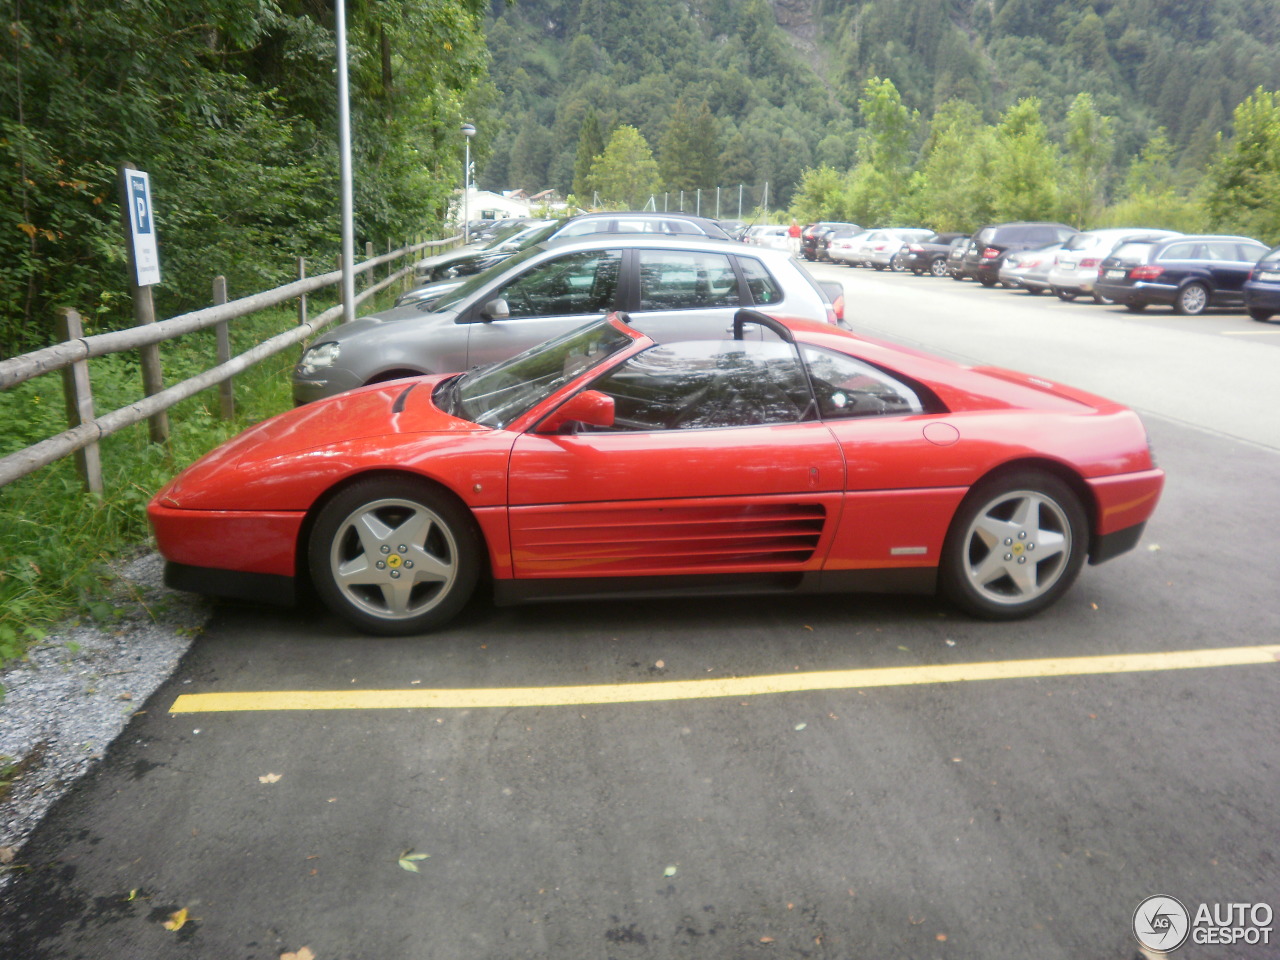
x=496, y=394
x=504, y=233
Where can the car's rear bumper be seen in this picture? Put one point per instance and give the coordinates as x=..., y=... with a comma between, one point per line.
x=1262, y=296
x=1140, y=291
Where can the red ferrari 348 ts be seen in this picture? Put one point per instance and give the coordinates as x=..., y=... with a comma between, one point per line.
x=795, y=457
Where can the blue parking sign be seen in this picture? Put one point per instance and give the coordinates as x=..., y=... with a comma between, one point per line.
x=146, y=257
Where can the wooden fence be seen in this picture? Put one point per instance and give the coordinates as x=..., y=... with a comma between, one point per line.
x=71, y=356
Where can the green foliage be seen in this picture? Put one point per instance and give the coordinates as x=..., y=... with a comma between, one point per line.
x=1243, y=185
x=1025, y=181
x=1089, y=145
x=626, y=172
x=951, y=188
x=229, y=105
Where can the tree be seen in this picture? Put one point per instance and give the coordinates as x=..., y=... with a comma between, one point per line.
x=820, y=197
x=626, y=172
x=1150, y=198
x=1090, y=145
x=951, y=189
x=1025, y=180
x=689, y=149
x=1243, y=183
x=590, y=146
x=879, y=181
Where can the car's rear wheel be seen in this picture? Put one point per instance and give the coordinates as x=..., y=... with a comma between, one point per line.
x=1101, y=300
x=938, y=268
x=1262, y=316
x=1034, y=291
x=1135, y=307
x=1192, y=300
x=1016, y=544
x=1066, y=296
x=986, y=281
x=898, y=263
x=394, y=556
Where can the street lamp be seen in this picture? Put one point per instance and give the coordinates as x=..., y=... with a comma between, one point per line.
x=468, y=131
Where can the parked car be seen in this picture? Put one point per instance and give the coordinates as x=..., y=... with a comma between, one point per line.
x=1029, y=269
x=810, y=234
x=1075, y=269
x=994, y=241
x=885, y=250
x=822, y=245
x=673, y=289
x=772, y=235
x=929, y=255
x=642, y=221
x=850, y=250
x=600, y=463
x=1262, y=289
x=468, y=260
x=958, y=259
x=1189, y=274
x=734, y=229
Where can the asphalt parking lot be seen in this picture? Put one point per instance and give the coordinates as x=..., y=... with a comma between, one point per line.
x=834, y=777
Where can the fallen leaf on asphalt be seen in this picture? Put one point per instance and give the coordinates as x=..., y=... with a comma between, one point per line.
x=669, y=872
x=801, y=726
x=1153, y=547
x=809, y=628
x=304, y=953
x=660, y=664
x=941, y=938
x=269, y=778
x=7, y=854
x=766, y=939
x=409, y=860
x=901, y=647
x=176, y=920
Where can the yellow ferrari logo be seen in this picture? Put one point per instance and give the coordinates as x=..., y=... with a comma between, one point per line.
x=394, y=561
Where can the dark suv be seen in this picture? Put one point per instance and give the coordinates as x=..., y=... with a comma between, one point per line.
x=1189, y=274
x=994, y=241
x=810, y=235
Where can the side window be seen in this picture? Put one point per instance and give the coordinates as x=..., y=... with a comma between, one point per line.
x=686, y=280
x=1222, y=250
x=847, y=388
x=1178, y=251
x=583, y=227
x=764, y=289
x=1251, y=253
x=700, y=385
x=580, y=283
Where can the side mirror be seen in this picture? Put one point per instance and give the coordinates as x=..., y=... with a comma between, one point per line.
x=495, y=310
x=590, y=407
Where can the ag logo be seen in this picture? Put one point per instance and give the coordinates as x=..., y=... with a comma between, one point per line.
x=1161, y=923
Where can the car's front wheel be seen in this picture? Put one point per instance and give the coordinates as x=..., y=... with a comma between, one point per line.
x=1016, y=544
x=394, y=556
x=1262, y=316
x=1135, y=307
x=1192, y=300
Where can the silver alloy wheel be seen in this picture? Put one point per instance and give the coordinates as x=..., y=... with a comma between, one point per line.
x=938, y=268
x=393, y=559
x=1017, y=547
x=1193, y=299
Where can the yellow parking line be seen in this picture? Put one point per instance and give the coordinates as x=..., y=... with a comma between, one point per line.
x=728, y=687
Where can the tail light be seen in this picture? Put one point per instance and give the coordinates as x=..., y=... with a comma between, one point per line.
x=1090, y=262
x=915, y=248
x=1148, y=272
x=990, y=253
x=835, y=311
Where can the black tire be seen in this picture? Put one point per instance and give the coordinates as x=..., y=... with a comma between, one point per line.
x=917, y=271
x=938, y=267
x=410, y=527
x=1135, y=307
x=990, y=567
x=1262, y=316
x=987, y=282
x=1034, y=291
x=878, y=266
x=1066, y=296
x=1102, y=301
x=1192, y=300
x=898, y=262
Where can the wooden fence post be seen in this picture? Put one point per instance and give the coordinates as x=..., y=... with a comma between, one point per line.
x=79, y=398
x=226, y=389
x=302, y=300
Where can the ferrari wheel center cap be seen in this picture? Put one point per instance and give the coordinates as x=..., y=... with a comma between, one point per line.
x=394, y=561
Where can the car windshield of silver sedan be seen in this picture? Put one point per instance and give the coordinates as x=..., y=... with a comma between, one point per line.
x=496, y=394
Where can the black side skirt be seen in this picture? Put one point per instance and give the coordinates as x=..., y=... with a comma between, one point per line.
x=258, y=587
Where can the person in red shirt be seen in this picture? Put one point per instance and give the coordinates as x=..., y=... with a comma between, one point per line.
x=794, y=234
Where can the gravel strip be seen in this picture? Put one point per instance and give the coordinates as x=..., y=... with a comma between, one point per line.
x=77, y=688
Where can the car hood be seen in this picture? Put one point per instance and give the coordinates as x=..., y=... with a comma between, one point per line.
x=391, y=319
x=322, y=437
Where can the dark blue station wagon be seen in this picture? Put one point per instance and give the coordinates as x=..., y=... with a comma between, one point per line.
x=1189, y=274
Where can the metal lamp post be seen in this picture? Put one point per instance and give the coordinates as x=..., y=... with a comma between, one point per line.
x=468, y=131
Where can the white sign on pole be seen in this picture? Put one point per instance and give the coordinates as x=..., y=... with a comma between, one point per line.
x=142, y=227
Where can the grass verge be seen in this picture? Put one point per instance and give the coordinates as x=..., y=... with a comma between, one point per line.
x=58, y=544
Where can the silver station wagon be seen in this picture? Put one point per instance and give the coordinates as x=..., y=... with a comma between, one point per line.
x=672, y=289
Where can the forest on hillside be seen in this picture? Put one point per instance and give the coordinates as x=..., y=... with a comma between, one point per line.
x=778, y=87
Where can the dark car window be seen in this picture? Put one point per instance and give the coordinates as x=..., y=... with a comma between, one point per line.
x=1183, y=251
x=764, y=289
x=699, y=385
x=579, y=283
x=686, y=280
x=847, y=388
x=984, y=236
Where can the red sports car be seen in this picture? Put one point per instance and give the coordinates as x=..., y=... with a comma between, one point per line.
x=793, y=458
